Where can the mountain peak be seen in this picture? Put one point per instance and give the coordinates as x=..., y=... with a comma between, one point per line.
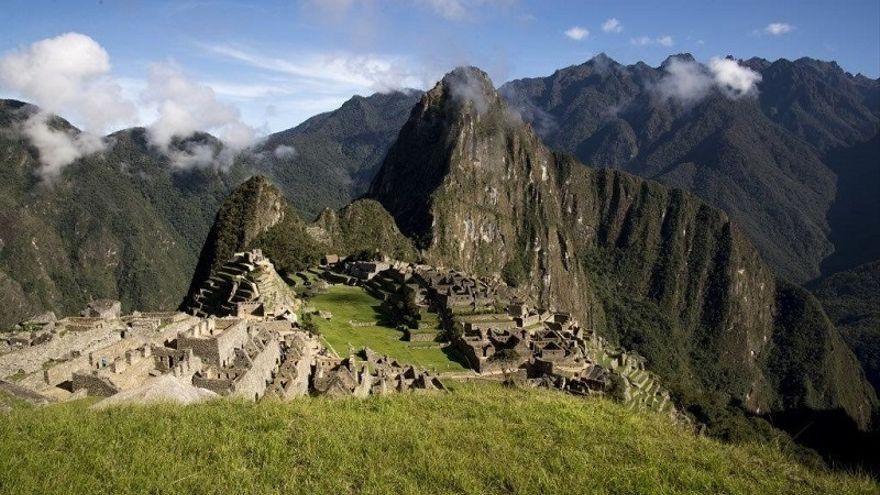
x=678, y=57
x=468, y=85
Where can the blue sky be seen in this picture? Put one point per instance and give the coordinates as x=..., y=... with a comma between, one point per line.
x=279, y=62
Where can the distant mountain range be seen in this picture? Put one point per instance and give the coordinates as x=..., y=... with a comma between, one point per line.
x=122, y=224
x=782, y=164
x=329, y=159
x=127, y=224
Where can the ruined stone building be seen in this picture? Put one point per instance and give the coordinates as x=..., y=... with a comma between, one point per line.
x=245, y=286
x=241, y=340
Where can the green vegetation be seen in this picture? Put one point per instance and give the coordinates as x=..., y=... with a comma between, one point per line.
x=124, y=225
x=307, y=323
x=475, y=439
x=365, y=228
x=288, y=245
x=852, y=301
x=352, y=304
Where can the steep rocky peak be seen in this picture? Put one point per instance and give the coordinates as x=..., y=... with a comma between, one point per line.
x=249, y=211
x=462, y=138
x=464, y=91
x=679, y=57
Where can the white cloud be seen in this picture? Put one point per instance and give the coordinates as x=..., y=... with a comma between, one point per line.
x=69, y=75
x=199, y=156
x=184, y=107
x=577, y=33
x=732, y=79
x=685, y=81
x=612, y=25
x=778, y=28
x=57, y=147
x=688, y=81
x=284, y=152
x=465, y=10
x=646, y=41
x=340, y=69
x=454, y=10
x=467, y=84
x=66, y=75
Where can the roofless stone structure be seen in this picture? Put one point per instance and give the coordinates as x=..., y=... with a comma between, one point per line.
x=246, y=285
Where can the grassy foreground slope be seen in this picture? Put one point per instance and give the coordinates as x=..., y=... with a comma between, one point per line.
x=476, y=439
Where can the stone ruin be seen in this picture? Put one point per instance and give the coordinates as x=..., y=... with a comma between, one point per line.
x=245, y=286
x=502, y=338
x=251, y=349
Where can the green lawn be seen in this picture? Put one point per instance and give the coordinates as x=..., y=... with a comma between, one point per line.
x=481, y=439
x=348, y=303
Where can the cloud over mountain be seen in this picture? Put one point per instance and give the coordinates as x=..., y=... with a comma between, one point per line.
x=70, y=75
x=185, y=107
x=688, y=81
x=65, y=75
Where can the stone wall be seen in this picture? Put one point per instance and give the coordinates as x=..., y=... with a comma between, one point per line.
x=253, y=382
x=93, y=384
x=217, y=349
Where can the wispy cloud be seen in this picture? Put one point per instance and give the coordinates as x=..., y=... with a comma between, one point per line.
x=469, y=10
x=340, y=69
x=666, y=41
x=453, y=10
x=778, y=28
x=450, y=10
x=612, y=25
x=577, y=33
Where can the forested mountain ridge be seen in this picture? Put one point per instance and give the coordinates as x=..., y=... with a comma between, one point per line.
x=328, y=160
x=766, y=159
x=122, y=224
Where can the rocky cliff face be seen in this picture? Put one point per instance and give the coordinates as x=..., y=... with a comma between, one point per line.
x=248, y=212
x=654, y=268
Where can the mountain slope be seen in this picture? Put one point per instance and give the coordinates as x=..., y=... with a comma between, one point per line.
x=122, y=224
x=329, y=159
x=653, y=268
x=855, y=214
x=762, y=160
x=852, y=301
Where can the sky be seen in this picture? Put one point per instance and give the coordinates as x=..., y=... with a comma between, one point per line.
x=242, y=69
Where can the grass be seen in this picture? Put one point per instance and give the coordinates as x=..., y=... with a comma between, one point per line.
x=349, y=303
x=476, y=439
